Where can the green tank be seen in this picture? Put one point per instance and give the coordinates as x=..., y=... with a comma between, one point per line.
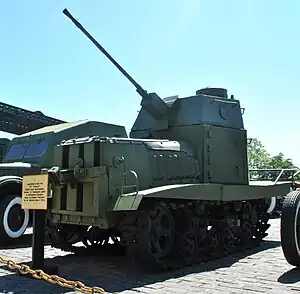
x=175, y=192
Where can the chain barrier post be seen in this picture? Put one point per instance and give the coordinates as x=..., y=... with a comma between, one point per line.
x=38, y=243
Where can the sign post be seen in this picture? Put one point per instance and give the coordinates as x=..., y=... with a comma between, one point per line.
x=35, y=191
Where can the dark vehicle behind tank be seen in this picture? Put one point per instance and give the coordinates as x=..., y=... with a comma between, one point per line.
x=27, y=154
x=4, y=144
x=175, y=192
x=17, y=121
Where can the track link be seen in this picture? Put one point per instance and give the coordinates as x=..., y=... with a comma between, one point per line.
x=95, y=241
x=172, y=235
x=164, y=235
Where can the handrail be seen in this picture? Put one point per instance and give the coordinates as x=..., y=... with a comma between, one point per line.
x=294, y=171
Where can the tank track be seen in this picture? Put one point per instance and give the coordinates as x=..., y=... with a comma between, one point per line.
x=167, y=234
x=171, y=235
x=95, y=241
x=57, y=237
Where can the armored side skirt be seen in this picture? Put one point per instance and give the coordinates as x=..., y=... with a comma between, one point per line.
x=209, y=192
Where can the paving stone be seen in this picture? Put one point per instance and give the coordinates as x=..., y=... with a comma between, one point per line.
x=263, y=271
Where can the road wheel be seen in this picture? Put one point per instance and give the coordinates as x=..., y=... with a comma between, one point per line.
x=13, y=219
x=290, y=228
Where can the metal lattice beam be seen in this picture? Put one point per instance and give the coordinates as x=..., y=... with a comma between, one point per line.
x=16, y=120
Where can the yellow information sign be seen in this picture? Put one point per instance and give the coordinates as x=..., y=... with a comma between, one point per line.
x=35, y=191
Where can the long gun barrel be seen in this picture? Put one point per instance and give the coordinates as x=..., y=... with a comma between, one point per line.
x=139, y=89
x=151, y=102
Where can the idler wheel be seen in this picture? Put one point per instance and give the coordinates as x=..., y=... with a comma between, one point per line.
x=247, y=234
x=161, y=231
x=188, y=247
x=212, y=245
x=290, y=228
x=154, y=238
x=95, y=237
x=228, y=240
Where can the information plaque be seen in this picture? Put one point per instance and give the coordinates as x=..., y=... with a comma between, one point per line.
x=35, y=191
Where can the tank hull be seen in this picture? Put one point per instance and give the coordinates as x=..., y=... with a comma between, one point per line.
x=111, y=189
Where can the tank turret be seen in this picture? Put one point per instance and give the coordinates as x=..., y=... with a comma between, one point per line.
x=157, y=117
x=208, y=121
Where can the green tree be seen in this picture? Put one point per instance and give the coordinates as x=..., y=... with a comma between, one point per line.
x=278, y=161
x=259, y=158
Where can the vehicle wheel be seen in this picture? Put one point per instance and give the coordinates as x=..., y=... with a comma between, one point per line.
x=290, y=228
x=13, y=219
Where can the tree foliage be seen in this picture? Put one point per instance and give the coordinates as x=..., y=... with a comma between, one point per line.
x=259, y=158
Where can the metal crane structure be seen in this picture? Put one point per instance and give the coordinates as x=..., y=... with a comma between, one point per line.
x=18, y=121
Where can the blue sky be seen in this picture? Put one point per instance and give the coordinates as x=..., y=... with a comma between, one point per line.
x=170, y=47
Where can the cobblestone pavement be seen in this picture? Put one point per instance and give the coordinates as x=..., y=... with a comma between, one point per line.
x=262, y=270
